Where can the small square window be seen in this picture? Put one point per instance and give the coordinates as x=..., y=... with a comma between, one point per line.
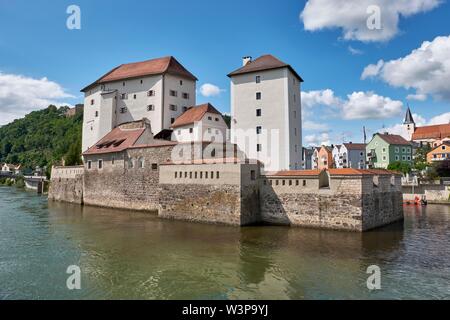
x=258, y=112
x=173, y=93
x=124, y=96
x=191, y=130
x=173, y=107
x=258, y=79
x=151, y=93
x=154, y=166
x=258, y=130
x=258, y=96
x=185, y=95
x=92, y=102
x=123, y=110
x=150, y=107
x=134, y=97
x=258, y=147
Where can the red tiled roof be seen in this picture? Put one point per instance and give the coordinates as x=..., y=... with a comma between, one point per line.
x=265, y=62
x=432, y=132
x=355, y=146
x=394, y=139
x=333, y=172
x=117, y=140
x=194, y=114
x=145, y=68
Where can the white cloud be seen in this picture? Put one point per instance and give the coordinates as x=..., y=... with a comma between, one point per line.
x=358, y=105
x=368, y=105
x=210, y=90
x=20, y=95
x=440, y=119
x=352, y=16
x=417, y=97
x=426, y=69
x=318, y=139
x=354, y=51
x=400, y=129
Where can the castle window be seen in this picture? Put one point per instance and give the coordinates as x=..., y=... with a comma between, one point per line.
x=210, y=118
x=217, y=174
x=92, y=102
x=324, y=180
x=252, y=175
x=258, y=96
x=151, y=93
x=276, y=182
x=295, y=114
x=131, y=163
x=206, y=174
x=134, y=97
x=124, y=96
x=181, y=175
x=213, y=153
x=172, y=120
x=123, y=109
x=173, y=93
x=150, y=107
x=190, y=175
x=89, y=164
x=283, y=182
x=173, y=107
x=217, y=119
x=96, y=114
x=201, y=174
x=181, y=82
x=154, y=166
x=191, y=130
x=176, y=174
x=142, y=81
x=184, y=109
x=100, y=164
x=195, y=175
x=258, y=112
x=209, y=130
x=123, y=83
x=258, y=79
x=258, y=147
x=185, y=175
x=112, y=160
x=212, y=174
x=290, y=182
x=185, y=95
x=258, y=129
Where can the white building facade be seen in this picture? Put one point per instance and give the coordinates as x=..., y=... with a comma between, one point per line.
x=350, y=155
x=266, y=116
x=158, y=89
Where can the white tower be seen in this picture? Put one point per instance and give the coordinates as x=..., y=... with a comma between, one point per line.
x=409, y=124
x=266, y=116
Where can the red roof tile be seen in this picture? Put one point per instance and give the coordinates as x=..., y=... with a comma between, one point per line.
x=394, y=139
x=145, y=68
x=117, y=140
x=194, y=114
x=265, y=62
x=432, y=132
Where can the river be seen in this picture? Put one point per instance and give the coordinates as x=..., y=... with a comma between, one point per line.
x=130, y=255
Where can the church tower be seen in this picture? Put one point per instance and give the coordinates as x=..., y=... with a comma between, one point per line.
x=409, y=124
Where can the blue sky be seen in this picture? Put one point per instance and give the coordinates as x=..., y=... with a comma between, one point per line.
x=50, y=63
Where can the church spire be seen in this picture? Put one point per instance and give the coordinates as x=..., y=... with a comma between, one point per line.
x=409, y=118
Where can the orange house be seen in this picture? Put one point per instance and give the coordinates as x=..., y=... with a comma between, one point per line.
x=324, y=158
x=439, y=153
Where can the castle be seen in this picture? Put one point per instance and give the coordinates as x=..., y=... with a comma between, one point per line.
x=146, y=146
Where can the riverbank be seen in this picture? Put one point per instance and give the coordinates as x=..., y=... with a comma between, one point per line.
x=133, y=255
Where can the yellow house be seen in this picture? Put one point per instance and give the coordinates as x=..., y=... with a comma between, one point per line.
x=439, y=153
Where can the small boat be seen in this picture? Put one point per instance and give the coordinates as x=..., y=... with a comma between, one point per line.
x=416, y=202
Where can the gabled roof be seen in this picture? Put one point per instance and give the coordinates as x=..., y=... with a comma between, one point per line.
x=265, y=62
x=408, y=118
x=446, y=143
x=393, y=139
x=157, y=66
x=117, y=140
x=355, y=146
x=440, y=131
x=194, y=114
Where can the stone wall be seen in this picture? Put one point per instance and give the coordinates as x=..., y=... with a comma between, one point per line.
x=348, y=203
x=224, y=193
x=66, y=184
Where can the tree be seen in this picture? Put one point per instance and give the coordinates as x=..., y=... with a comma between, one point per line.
x=403, y=167
x=227, y=120
x=420, y=158
x=442, y=168
x=73, y=156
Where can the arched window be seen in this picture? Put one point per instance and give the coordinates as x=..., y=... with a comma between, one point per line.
x=324, y=179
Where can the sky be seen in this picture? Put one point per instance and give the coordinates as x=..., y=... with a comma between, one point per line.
x=362, y=61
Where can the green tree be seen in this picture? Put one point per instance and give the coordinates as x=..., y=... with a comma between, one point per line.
x=403, y=167
x=73, y=156
x=420, y=158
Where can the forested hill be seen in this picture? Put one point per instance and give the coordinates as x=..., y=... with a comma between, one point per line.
x=42, y=138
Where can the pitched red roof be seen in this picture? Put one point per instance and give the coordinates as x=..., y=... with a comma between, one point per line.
x=157, y=66
x=117, y=140
x=394, y=139
x=265, y=62
x=194, y=114
x=432, y=132
x=355, y=146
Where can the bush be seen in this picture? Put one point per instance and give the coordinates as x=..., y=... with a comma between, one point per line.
x=403, y=167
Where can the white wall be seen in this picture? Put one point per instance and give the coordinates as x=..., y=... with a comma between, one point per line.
x=204, y=130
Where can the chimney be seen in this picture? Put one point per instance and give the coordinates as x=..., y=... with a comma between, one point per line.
x=246, y=60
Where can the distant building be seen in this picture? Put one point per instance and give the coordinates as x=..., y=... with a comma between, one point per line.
x=75, y=110
x=385, y=149
x=323, y=158
x=200, y=123
x=8, y=169
x=158, y=89
x=266, y=117
x=307, y=159
x=350, y=155
x=433, y=135
x=439, y=153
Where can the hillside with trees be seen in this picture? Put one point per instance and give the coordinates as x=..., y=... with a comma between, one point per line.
x=42, y=138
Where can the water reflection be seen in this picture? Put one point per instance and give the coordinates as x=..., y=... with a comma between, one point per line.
x=131, y=255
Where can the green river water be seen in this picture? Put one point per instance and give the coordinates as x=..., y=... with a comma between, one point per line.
x=129, y=255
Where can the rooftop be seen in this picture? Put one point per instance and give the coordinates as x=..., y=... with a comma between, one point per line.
x=194, y=114
x=394, y=139
x=333, y=172
x=265, y=62
x=440, y=131
x=157, y=66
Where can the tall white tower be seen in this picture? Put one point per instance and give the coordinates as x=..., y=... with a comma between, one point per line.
x=266, y=114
